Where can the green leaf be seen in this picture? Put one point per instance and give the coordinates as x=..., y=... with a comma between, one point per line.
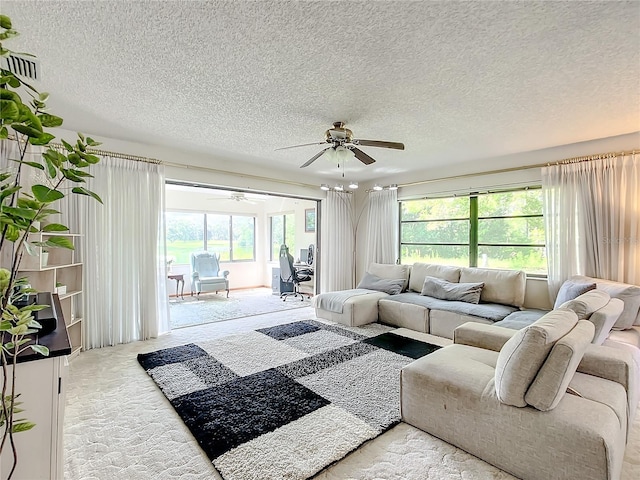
x=45, y=194
x=7, y=192
x=24, y=213
x=81, y=146
x=92, y=159
x=34, y=165
x=41, y=349
x=67, y=145
x=62, y=242
x=33, y=308
x=4, y=133
x=43, y=139
x=55, y=227
x=80, y=173
x=71, y=176
x=74, y=158
x=9, y=110
x=52, y=171
x=26, y=130
x=92, y=143
x=81, y=136
x=84, y=191
x=43, y=97
x=50, y=121
x=9, y=95
x=5, y=22
x=22, y=426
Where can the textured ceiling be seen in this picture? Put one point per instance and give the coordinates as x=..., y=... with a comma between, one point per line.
x=454, y=81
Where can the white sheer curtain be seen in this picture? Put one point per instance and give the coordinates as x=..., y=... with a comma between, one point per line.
x=382, y=227
x=123, y=249
x=337, y=256
x=592, y=212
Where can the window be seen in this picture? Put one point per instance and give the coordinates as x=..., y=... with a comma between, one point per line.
x=232, y=236
x=282, y=230
x=496, y=230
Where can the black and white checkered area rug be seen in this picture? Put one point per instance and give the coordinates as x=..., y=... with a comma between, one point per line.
x=289, y=400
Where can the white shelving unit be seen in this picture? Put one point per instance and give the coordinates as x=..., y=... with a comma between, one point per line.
x=61, y=267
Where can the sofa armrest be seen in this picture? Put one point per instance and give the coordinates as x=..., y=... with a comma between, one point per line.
x=489, y=337
x=225, y=273
x=612, y=364
x=195, y=276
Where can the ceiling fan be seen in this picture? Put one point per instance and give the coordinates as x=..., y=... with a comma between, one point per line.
x=340, y=140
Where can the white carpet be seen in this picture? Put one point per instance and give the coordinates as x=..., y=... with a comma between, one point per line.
x=119, y=425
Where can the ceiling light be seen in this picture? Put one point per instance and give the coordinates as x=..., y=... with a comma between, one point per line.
x=325, y=187
x=377, y=187
x=353, y=185
x=393, y=186
x=339, y=188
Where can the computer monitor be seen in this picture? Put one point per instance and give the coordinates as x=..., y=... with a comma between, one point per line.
x=304, y=253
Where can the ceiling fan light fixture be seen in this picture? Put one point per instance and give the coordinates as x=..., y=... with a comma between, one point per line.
x=377, y=187
x=325, y=187
x=353, y=185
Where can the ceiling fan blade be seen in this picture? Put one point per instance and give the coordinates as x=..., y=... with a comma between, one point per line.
x=379, y=143
x=314, y=158
x=363, y=157
x=303, y=145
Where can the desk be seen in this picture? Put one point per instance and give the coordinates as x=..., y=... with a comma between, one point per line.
x=178, y=277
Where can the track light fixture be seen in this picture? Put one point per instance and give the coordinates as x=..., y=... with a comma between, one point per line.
x=325, y=187
x=377, y=187
x=353, y=185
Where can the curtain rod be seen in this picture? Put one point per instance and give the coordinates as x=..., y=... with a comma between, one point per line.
x=155, y=161
x=587, y=158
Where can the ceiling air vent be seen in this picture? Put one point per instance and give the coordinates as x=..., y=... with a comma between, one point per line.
x=23, y=66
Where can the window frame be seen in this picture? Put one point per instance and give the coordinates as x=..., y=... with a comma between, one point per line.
x=474, y=221
x=272, y=256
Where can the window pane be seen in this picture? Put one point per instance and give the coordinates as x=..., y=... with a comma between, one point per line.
x=277, y=235
x=290, y=234
x=456, y=231
x=185, y=234
x=435, y=208
x=529, y=259
x=523, y=202
x=444, y=255
x=511, y=230
x=243, y=237
x=218, y=236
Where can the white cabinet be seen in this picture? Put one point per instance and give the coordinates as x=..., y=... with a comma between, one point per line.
x=41, y=384
x=60, y=268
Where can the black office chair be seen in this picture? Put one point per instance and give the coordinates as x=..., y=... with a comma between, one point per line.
x=289, y=276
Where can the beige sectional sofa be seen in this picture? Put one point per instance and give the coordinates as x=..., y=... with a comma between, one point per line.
x=542, y=402
x=551, y=394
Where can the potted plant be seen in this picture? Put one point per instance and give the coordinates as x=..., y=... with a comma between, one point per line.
x=61, y=288
x=23, y=212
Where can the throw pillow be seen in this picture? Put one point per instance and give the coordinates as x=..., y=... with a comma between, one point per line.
x=629, y=294
x=462, y=292
x=554, y=376
x=522, y=356
x=391, y=271
x=392, y=286
x=571, y=289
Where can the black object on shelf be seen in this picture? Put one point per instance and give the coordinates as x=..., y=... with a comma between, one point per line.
x=47, y=316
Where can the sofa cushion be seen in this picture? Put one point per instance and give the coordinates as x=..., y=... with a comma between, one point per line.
x=629, y=294
x=587, y=303
x=462, y=292
x=490, y=311
x=571, y=289
x=500, y=286
x=420, y=270
x=392, y=271
x=605, y=318
x=521, y=318
x=524, y=353
x=550, y=384
x=392, y=286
